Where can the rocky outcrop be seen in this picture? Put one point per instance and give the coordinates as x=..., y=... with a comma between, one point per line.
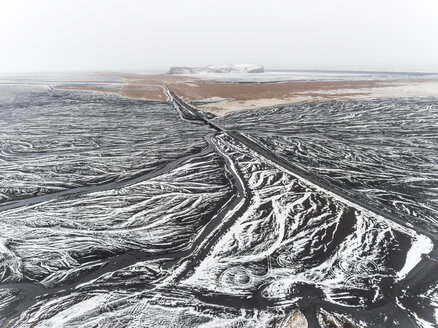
x=293, y=320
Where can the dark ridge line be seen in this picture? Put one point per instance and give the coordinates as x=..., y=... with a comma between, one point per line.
x=118, y=262
x=309, y=305
x=105, y=186
x=199, y=253
x=124, y=260
x=33, y=291
x=391, y=214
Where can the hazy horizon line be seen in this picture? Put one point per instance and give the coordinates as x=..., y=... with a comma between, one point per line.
x=267, y=69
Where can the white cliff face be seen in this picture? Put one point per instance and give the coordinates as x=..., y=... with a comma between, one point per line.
x=233, y=68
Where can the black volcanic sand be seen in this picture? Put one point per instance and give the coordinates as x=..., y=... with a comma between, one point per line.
x=117, y=211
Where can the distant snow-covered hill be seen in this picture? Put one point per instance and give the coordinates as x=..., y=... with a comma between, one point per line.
x=234, y=68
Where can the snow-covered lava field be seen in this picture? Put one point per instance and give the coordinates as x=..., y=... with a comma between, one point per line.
x=119, y=212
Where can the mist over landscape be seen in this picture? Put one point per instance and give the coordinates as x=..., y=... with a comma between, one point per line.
x=139, y=36
x=211, y=164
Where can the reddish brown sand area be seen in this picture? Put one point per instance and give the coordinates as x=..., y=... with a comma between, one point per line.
x=138, y=86
x=224, y=97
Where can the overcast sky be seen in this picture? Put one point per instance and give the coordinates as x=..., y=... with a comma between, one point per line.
x=129, y=35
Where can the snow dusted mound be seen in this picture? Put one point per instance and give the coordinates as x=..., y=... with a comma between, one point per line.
x=234, y=68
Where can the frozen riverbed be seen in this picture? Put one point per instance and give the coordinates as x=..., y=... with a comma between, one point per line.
x=132, y=213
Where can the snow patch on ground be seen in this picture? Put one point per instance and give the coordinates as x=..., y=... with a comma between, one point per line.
x=420, y=245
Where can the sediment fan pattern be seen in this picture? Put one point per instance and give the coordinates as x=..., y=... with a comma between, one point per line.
x=53, y=140
x=199, y=230
x=298, y=244
x=385, y=150
x=294, y=245
x=54, y=242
